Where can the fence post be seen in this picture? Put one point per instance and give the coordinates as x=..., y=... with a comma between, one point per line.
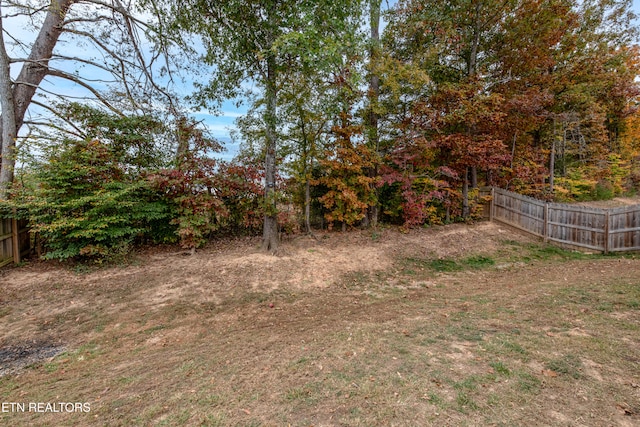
x=606, y=231
x=545, y=223
x=492, y=194
x=15, y=238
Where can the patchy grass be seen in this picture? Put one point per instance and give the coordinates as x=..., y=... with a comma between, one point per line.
x=446, y=265
x=477, y=339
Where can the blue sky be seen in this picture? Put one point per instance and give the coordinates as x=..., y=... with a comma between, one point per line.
x=219, y=126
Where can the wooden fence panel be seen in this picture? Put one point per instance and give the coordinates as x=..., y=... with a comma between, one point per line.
x=485, y=196
x=624, y=229
x=519, y=211
x=577, y=226
x=15, y=241
x=604, y=230
x=6, y=242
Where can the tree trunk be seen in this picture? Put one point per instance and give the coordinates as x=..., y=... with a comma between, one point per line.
x=8, y=121
x=552, y=158
x=307, y=205
x=31, y=75
x=374, y=95
x=475, y=42
x=37, y=65
x=472, y=66
x=563, y=157
x=306, y=170
x=270, y=229
x=465, y=195
x=513, y=150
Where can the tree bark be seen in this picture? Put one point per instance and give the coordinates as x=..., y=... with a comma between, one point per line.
x=374, y=95
x=37, y=65
x=8, y=120
x=306, y=170
x=465, y=194
x=16, y=101
x=475, y=42
x=270, y=228
x=307, y=205
x=474, y=177
x=552, y=159
x=472, y=66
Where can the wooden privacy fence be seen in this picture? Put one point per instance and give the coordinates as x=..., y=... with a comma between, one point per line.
x=606, y=230
x=15, y=241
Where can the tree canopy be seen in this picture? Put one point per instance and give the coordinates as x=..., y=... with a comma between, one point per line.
x=61, y=51
x=358, y=111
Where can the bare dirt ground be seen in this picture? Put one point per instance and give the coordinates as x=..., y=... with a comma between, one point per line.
x=456, y=325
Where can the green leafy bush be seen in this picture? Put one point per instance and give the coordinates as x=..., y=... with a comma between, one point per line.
x=85, y=204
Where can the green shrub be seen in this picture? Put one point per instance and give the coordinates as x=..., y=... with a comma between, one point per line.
x=85, y=204
x=603, y=190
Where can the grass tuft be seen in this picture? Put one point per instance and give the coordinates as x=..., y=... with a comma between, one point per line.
x=568, y=365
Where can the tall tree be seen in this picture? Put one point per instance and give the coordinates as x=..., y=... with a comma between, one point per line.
x=17, y=97
x=566, y=70
x=108, y=29
x=306, y=113
x=519, y=67
x=453, y=43
x=373, y=96
x=259, y=42
x=8, y=124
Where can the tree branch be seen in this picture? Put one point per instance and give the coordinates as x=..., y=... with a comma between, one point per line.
x=83, y=61
x=54, y=126
x=123, y=64
x=56, y=113
x=94, y=91
x=134, y=40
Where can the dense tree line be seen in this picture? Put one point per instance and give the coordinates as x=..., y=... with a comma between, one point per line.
x=347, y=124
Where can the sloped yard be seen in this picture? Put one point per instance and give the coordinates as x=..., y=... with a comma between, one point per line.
x=456, y=325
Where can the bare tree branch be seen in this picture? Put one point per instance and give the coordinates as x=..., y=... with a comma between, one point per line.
x=29, y=12
x=94, y=91
x=135, y=42
x=62, y=117
x=56, y=127
x=82, y=61
x=123, y=64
